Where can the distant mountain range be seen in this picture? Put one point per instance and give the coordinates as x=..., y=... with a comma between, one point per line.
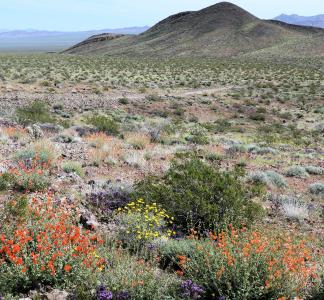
x=41, y=40
x=315, y=21
x=220, y=30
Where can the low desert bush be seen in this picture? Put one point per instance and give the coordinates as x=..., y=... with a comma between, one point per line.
x=103, y=124
x=13, y=133
x=276, y=179
x=138, y=140
x=6, y=181
x=98, y=140
x=317, y=189
x=200, y=196
x=36, y=112
x=198, y=135
x=297, y=171
x=73, y=167
x=41, y=152
x=257, y=116
x=135, y=159
x=130, y=278
x=270, y=178
x=33, y=179
x=312, y=170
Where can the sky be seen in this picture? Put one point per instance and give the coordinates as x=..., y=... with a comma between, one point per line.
x=77, y=15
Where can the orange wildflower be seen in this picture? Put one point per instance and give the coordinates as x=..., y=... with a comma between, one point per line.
x=67, y=268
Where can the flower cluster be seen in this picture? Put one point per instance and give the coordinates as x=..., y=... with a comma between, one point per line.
x=191, y=290
x=46, y=246
x=104, y=294
x=275, y=264
x=31, y=176
x=147, y=221
x=111, y=197
x=13, y=132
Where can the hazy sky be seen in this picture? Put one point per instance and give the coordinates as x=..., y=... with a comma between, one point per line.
x=99, y=14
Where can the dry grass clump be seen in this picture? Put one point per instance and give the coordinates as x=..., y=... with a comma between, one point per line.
x=105, y=149
x=139, y=140
x=12, y=133
x=41, y=151
x=98, y=140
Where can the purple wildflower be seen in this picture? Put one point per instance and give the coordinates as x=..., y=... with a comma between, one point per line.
x=191, y=290
x=151, y=247
x=103, y=294
x=123, y=295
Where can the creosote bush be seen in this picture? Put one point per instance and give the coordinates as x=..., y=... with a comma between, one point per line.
x=73, y=167
x=103, y=124
x=201, y=196
x=36, y=112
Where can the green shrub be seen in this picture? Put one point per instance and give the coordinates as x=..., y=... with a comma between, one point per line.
x=36, y=112
x=258, y=177
x=123, y=101
x=18, y=207
x=73, y=167
x=103, y=124
x=200, y=196
x=32, y=180
x=141, y=280
x=6, y=181
x=257, y=117
x=169, y=250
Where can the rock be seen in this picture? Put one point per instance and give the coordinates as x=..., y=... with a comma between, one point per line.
x=84, y=130
x=320, y=128
x=51, y=127
x=56, y=295
x=35, y=131
x=63, y=138
x=88, y=220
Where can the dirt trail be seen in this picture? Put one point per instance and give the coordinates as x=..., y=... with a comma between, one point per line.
x=201, y=91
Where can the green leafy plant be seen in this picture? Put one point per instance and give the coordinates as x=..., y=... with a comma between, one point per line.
x=36, y=112
x=73, y=167
x=6, y=180
x=103, y=123
x=201, y=196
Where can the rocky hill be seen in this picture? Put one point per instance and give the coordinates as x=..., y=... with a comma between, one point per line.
x=221, y=30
